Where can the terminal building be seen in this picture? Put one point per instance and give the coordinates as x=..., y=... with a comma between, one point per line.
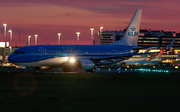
x=5, y=52
x=147, y=38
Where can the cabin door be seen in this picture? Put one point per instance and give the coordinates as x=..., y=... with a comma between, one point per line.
x=33, y=53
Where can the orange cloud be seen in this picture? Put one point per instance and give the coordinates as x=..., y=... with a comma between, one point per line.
x=47, y=18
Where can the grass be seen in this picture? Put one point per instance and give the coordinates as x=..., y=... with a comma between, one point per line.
x=89, y=92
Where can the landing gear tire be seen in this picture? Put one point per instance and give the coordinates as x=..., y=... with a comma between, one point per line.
x=67, y=69
x=91, y=70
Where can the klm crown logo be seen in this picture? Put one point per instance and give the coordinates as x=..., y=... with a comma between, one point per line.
x=133, y=33
x=133, y=29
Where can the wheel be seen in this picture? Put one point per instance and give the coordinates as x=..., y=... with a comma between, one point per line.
x=92, y=70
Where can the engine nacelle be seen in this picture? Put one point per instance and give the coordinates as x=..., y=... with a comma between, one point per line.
x=85, y=64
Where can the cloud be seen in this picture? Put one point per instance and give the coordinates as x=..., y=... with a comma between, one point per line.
x=46, y=18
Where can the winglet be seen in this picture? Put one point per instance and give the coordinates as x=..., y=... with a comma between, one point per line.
x=131, y=35
x=27, y=44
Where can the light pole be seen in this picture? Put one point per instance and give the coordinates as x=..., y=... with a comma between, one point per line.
x=59, y=34
x=36, y=39
x=101, y=29
x=78, y=37
x=91, y=35
x=5, y=33
x=10, y=32
x=29, y=39
x=100, y=34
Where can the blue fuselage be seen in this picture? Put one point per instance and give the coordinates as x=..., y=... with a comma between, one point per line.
x=43, y=52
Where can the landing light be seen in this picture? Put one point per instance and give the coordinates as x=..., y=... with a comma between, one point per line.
x=72, y=60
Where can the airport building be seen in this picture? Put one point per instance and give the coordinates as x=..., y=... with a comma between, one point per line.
x=147, y=38
x=5, y=52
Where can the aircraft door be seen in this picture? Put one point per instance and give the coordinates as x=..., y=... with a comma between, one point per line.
x=33, y=53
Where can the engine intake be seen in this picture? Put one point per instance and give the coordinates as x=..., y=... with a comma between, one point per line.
x=85, y=64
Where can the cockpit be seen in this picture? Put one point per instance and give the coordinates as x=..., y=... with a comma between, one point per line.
x=18, y=52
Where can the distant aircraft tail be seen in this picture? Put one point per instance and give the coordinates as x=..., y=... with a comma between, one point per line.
x=131, y=35
x=158, y=55
x=169, y=46
x=27, y=44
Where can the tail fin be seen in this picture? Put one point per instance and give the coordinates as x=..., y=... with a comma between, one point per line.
x=158, y=55
x=168, y=47
x=131, y=35
x=27, y=44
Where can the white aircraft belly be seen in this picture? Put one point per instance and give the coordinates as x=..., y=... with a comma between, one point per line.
x=48, y=62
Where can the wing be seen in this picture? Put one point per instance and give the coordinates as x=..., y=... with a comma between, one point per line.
x=121, y=56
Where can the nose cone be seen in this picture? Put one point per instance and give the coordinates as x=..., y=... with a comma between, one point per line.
x=10, y=58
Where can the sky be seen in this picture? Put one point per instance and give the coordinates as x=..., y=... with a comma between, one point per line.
x=46, y=18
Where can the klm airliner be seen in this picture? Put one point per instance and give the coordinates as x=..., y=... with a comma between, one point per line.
x=80, y=56
x=144, y=60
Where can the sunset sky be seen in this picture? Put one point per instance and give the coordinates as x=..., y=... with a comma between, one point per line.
x=49, y=17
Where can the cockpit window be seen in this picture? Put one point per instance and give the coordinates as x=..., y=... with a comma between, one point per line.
x=19, y=52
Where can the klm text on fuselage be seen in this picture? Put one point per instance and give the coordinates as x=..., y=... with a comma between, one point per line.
x=132, y=33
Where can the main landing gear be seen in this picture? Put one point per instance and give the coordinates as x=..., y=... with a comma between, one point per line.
x=92, y=70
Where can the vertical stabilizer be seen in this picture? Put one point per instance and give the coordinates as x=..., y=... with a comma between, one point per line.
x=27, y=44
x=131, y=35
x=158, y=55
x=168, y=47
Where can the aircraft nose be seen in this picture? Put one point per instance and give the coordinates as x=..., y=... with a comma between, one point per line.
x=10, y=58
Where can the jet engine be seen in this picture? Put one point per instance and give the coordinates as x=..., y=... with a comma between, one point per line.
x=84, y=64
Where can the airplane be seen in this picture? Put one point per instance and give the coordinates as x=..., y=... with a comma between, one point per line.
x=83, y=57
x=144, y=60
